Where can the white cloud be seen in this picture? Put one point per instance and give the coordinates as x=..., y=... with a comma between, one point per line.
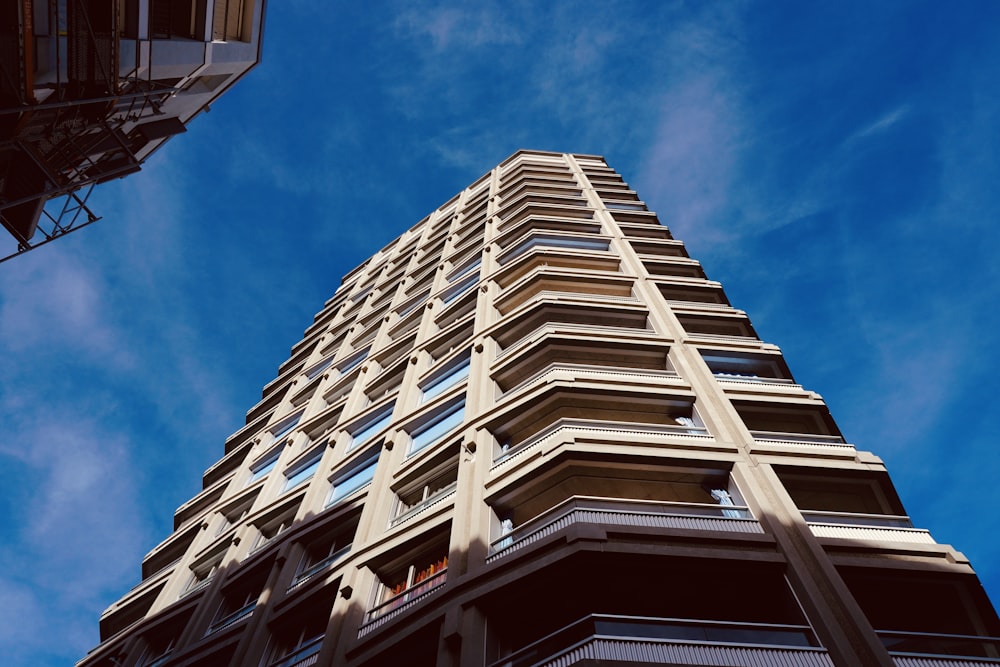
x=881, y=124
x=50, y=299
x=77, y=523
x=466, y=27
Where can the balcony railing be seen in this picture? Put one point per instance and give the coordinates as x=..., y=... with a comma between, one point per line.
x=686, y=304
x=671, y=641
x=749, y=340
x=438, y=497
x=571, y=428
x=857, y=519
x=197, y=586
x=737, y=378
x=623, y=512
x=857, y=526
x=232, y=619
x=393, y=607
x=562, y=370
x=568, y=327
x=807, y=439
x=315, y=569
x=915, y=648
x=304, y=656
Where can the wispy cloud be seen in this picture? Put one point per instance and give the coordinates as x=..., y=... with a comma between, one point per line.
x=469, y=27
x=77, y=526
x=881, y=124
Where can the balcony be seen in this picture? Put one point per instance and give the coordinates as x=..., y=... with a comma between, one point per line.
x=304, y=656
x=572, y=372
x=922, y=649
x=568, y=283
x=232, y=619
x=394, y=606
x=569, y=428
x=436, y=498
x=606, y=639
x=317, y=568
x=867, y=527
x=624, y=512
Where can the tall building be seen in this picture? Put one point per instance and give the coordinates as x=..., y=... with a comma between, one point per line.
x=531, y=431
x=90, y=88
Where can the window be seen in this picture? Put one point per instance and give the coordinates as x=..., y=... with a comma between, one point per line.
x=318, y=368
x=285, y=426
x=447, y=377
x=460, y=288
x=297, y=650
x=234, y=608
x=303, y=471
x=553, y=241
x=201, y=575
x=411, y=581
x=270, y=531
x=742, y=366
x=418, y=498
x=264, y=465
x=412, y=305
x=352, y=361
x=476, y=261
x=323, y=553
x=438, y=427
x=233, y=515
x=371, y=426
x=625, y=206
x=356, y=476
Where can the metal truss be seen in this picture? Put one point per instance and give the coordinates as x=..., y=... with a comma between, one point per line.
x=59, y=218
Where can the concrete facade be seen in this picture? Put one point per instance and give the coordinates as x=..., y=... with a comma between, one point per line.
x=531, y=431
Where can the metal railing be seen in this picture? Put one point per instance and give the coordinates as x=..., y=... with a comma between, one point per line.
x=439, y=496
x=582, y=371
x=857, y=519
x=383, y=613
x=232, y=619
x=659, y=630
x=315, y=569
x=303, y=656
x=933, y=644
x=625, y=512
x=570, y=426
x=799, y=438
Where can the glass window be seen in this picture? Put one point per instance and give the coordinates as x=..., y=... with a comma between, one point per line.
x=264, y=465
x=304, y=470
x=374, y=424
x=285, y=426
x=352, y=361
x=465, y=268
x=354, y=478
x=446, y=378
x=460, y=288
x=318, y=368
x=553, y=241
x=438, y=427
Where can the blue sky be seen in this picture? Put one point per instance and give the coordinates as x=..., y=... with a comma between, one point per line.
x=833, y=164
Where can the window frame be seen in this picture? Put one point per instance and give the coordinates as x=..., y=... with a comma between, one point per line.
x=308, y=464
x=376, y=422
x=440, y=423
x=359, y=467
x=450, y=375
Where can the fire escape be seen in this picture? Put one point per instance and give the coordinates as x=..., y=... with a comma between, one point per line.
x=85, y=125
